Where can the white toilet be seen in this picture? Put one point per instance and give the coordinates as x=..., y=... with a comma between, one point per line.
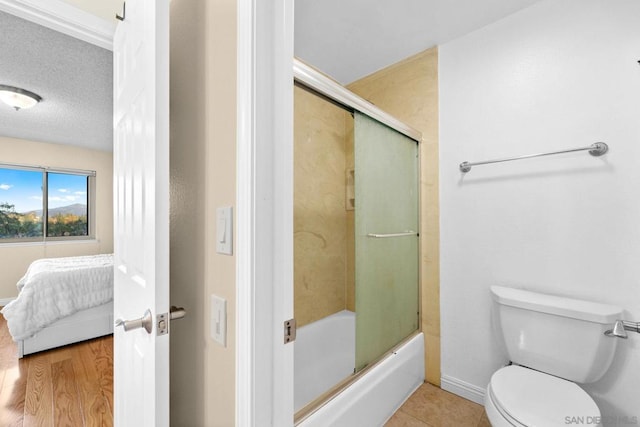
x=553, y=343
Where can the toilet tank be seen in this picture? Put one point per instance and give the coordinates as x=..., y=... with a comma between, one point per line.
x=557, y=335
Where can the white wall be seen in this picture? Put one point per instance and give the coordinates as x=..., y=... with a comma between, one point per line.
x=557, y=75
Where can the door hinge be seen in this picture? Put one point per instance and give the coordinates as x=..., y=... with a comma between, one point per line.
x=289, y=330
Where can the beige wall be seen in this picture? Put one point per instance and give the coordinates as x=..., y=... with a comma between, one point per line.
x=320, y=216
x=220, y=154
x=15, y=258
x=105, y=9
x=203, y=143
x=408, y=90
x=187, y=184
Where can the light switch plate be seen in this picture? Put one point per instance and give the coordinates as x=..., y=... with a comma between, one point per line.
x=224, y=230
x=219, y=320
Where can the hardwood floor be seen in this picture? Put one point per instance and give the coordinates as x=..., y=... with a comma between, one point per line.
x=68, y=386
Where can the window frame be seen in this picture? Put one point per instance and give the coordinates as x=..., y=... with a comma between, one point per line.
x=91, y=200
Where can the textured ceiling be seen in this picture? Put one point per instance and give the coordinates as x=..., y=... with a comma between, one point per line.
x=73, y=77
x=349, y=39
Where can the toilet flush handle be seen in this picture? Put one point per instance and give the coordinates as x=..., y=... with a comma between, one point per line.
x=620, y=328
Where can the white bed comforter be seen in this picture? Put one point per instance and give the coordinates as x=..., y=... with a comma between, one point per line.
x=54, y=288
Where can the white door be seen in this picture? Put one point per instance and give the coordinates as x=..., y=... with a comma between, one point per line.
x=141, y=203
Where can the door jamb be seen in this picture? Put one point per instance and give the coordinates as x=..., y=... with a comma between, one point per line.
x=264, y=198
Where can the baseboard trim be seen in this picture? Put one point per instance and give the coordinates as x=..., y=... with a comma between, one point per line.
x=463, y=389
x=5, y=301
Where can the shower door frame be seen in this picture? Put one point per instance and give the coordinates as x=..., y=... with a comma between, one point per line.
x=325, y=86
x=310, y=79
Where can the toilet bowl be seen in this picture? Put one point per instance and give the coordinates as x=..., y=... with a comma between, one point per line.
x=553, y=343
x=518, y=396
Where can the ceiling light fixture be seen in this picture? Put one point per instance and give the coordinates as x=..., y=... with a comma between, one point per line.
x=18, y=98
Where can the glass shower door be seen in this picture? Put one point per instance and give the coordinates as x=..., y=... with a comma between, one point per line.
x=386, y=236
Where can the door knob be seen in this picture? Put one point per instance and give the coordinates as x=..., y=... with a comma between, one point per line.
x=145, y=322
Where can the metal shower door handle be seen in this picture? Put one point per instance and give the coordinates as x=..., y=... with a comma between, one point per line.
x=145, y=322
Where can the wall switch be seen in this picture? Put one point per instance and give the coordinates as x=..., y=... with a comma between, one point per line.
x=224, y=230
x=219, y=320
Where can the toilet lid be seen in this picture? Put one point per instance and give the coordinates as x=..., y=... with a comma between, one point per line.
x=536, y=399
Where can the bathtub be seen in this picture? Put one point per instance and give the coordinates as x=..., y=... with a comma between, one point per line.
x=325, y=355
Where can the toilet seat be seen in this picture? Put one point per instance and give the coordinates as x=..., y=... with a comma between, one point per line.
x=525, y=397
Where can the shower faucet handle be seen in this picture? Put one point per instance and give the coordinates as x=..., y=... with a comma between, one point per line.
x=620, y=328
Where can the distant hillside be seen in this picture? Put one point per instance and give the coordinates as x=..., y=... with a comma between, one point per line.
x=77, y=209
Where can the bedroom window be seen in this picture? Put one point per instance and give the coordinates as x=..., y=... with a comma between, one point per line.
x=43, y=204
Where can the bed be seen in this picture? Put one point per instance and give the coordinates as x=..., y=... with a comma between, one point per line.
x=62, y=301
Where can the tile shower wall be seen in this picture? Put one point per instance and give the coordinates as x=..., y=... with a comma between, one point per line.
x=556, y=75
x=321, y=263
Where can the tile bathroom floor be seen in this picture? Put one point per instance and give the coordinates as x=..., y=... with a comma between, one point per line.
x=431, y=406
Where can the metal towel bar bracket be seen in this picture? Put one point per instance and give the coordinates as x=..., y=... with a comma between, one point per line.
x=596, y=149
